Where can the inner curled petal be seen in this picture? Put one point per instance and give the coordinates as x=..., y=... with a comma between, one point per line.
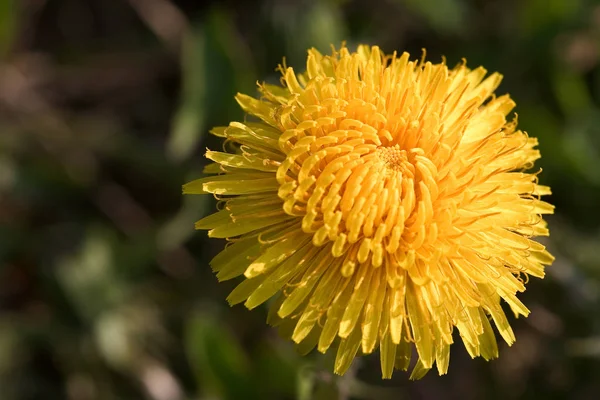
x=376, y=198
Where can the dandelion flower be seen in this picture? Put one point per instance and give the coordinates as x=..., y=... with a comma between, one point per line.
x=381, y=202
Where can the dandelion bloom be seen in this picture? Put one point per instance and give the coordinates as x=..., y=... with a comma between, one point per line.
x=382, y=202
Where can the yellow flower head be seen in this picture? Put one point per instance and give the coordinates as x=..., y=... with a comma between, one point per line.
x=383, y=202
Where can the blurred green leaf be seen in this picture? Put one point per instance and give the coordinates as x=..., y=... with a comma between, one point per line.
x=537, y=15
x=12, y=357
x=305, y=383
x=10, y=347
x=578, y=146
x=189, y=119
x=326, y=391
x=180, y=227
x=544, y=124
x=237, y=57
x=323, y=26
x=220, y=363
x=318, y=24
x=278, y=360
x=445, y=16
x=571, y=93
x=88, y=278
x=8, y=172
x=8, y=25
x=215, y=65
x=114, y=339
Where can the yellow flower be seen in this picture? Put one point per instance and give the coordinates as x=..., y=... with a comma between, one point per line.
x=383, y=202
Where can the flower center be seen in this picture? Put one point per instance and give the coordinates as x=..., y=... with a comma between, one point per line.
x=395, y=159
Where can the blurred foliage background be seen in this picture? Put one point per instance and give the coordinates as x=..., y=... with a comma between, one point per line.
x=105, y=105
